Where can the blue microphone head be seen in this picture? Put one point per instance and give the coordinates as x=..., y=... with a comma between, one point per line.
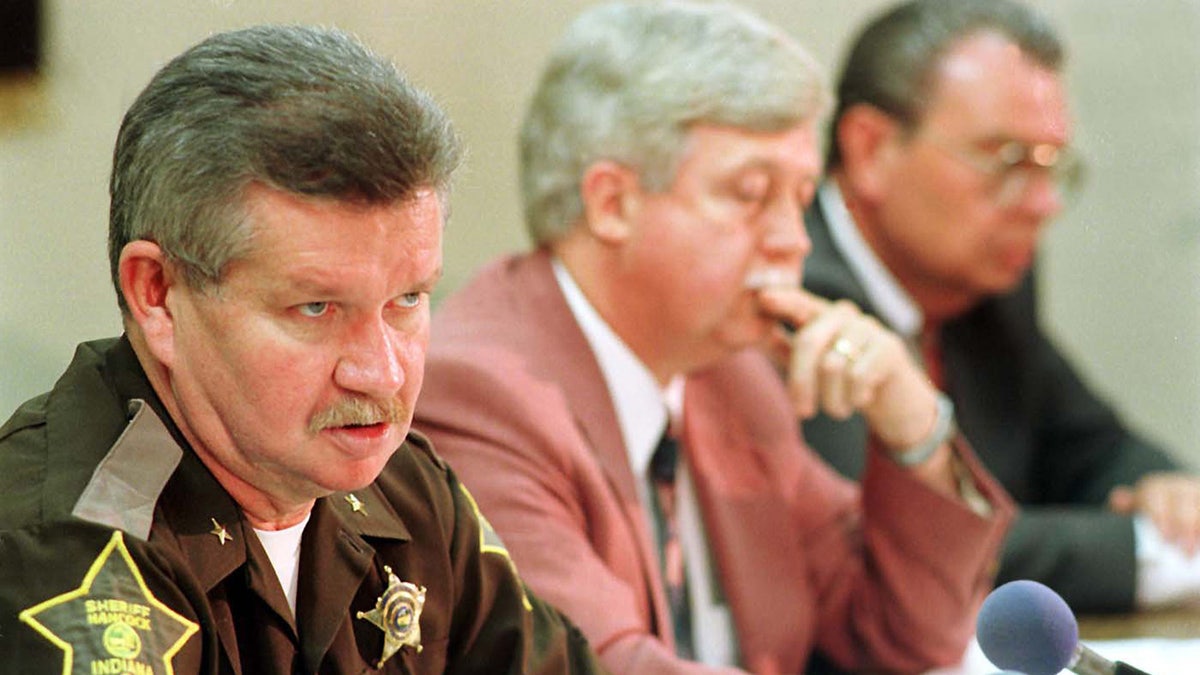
x=1027, y=627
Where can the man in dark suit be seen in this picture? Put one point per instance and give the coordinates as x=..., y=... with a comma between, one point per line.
x=949, y=152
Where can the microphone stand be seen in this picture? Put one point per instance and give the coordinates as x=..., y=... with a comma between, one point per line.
x=1087, y=662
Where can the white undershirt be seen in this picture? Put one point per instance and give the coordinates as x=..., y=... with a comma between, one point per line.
x=283, y=548
x=642, y=413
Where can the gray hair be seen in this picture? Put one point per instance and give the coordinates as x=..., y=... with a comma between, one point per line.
x=627, y=81
x=893, y=62
x=307, y=110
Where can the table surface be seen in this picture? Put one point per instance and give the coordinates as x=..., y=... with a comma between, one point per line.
x=1181, y=622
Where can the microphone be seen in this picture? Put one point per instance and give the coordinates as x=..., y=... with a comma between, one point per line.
x=1025, y=626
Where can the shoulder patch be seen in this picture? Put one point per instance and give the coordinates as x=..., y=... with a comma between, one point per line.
x=489, y=541
x=112, y=623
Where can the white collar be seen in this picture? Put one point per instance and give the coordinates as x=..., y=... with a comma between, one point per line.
x=895, y=306
x=640, y=404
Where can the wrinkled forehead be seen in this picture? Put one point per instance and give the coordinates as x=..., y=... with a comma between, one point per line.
x=296, y=236
x=271, y=214
x=716, y=150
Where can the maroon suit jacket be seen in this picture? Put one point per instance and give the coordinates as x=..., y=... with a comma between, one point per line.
x=886, y=576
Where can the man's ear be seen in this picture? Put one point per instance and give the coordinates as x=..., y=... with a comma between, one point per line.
x=869, y=140
x=611, y=196
x=146, y=279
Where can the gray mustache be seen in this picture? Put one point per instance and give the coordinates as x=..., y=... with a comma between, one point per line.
x=358, y=411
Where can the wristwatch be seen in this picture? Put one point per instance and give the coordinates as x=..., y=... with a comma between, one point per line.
x=943, y=429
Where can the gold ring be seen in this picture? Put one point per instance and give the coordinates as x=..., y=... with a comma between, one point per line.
x=846, y=349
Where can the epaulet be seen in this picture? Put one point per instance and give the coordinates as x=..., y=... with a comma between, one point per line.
x=127, y=483
x=421, y=442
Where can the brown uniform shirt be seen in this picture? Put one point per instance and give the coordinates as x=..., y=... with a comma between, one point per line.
x=120, y=553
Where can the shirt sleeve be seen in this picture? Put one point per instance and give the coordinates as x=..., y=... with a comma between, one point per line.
x=75, y=596
x=1166, y=574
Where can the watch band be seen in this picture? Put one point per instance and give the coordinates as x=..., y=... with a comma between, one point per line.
x=943, y=429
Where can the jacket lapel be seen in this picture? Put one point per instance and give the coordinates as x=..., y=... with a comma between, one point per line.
x=826, y=271
x=566, y=356
x=749, y=531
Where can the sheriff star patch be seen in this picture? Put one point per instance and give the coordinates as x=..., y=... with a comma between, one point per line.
x=112, y=623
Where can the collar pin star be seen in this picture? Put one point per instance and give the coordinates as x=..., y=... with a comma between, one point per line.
x=356, y=505
x=220, y=532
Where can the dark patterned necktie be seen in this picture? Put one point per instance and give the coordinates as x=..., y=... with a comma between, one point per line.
x=662, y=476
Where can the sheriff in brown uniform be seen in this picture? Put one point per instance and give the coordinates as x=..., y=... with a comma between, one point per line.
x=141, y=534
x=231, y=486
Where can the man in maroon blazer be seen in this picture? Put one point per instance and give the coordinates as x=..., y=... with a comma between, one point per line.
x=666, y=158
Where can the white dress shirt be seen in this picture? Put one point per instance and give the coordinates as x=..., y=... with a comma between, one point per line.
x=642, y=409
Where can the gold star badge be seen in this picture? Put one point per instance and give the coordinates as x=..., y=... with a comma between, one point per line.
x=112, y=623
x=356, y=505
x=398, y=614
x=220, y=532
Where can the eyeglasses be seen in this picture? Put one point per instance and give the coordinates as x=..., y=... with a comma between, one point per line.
x=1012, y=166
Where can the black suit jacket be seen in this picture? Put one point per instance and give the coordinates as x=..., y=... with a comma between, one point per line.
x=1053, y=444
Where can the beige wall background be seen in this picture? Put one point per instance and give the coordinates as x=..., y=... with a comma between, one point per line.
x=1119, y=271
